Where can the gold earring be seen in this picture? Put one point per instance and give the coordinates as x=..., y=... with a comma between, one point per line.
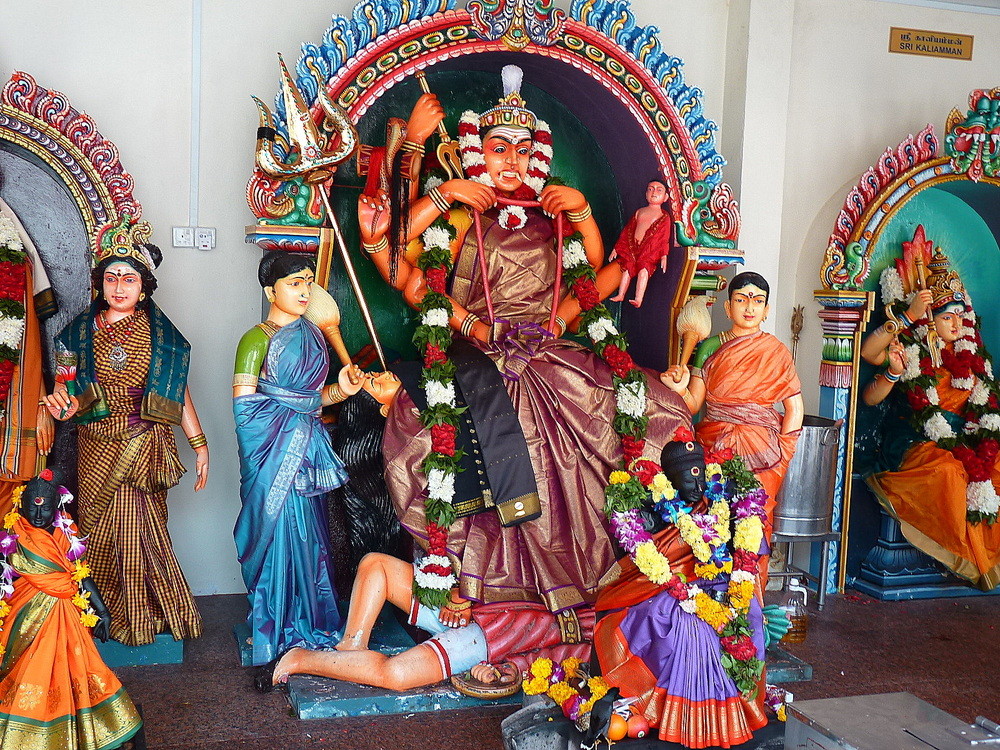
x=142, y=296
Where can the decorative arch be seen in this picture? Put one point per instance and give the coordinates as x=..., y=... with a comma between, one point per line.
x=596, y=49
x=43, y=122
x=966, y=166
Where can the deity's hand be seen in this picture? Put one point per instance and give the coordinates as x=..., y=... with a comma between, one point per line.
x=45, y=430
x=918, y=307
x=201, y=468
x=424, y=118
x=897, y=357
x=350, y=379
x=556, y=198
x=102, y=630
x=663, y=264
x=373, y=216
x=474, y=194
x=677, y=378
x=61, y=405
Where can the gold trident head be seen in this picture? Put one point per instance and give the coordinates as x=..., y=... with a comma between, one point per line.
x=313, y=153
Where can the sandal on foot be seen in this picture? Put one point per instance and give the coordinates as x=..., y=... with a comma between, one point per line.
x=507, y=682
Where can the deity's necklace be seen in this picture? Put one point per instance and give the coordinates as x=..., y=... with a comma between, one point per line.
x=117, y=357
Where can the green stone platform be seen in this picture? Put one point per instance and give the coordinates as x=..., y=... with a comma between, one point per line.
x=163, y=650
x=783, y=667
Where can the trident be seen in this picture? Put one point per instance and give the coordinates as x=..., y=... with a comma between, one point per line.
x=318, y=156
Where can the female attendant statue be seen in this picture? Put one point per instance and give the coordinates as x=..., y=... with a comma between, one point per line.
x=644, y=242
x=56, y=693
x=530, y=525
x=287, y=466
x=738, y=376
x=938, y=470
x=128, y=367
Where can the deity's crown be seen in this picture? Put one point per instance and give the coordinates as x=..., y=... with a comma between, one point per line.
x=945, y=285
x=124, y=240
x=511, y=109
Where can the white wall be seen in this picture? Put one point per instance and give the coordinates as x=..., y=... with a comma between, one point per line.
x=129, y=64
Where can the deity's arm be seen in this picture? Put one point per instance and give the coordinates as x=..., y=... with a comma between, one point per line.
x=250, y=354
x=191, y=426
x=875, y=346
x=102, y=630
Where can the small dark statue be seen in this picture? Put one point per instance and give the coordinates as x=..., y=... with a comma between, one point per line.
x=55, y=689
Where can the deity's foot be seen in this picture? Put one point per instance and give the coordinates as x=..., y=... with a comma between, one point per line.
x=487, y=681
x=635, y=302
x=457, y=612
x=283, y=667
x=617, y=298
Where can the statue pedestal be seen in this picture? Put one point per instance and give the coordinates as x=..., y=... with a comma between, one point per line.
x=323, y=698
x=163, y=650
x=783, y=667
x=894, y=570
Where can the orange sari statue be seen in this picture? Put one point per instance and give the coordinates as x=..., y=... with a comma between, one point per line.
x=739, y=376
x=55, y=691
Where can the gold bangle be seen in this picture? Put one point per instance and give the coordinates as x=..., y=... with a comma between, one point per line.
x=382, y=244
x=242, y=378
x=577, y=216
x=417, y=148
x=336, y=395
x=467, y=323
x=438, y=200
x=562, y=325
x=196, y=441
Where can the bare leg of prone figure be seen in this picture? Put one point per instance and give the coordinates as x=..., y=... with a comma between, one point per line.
x=380, y=579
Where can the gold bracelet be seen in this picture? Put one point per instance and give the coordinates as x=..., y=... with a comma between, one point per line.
x=562, y=325
x=336, y=395
x=467, y=323
x=417, y=148
x=577, y=216
x=196, y=441
x=382, y=244
x=438, y=200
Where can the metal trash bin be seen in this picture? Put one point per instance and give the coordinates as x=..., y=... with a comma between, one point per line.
x=805, y=502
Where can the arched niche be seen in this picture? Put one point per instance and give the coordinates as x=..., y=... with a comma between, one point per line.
x=593, y=64
x=953, y=190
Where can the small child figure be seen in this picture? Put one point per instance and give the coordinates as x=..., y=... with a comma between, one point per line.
x=55, y=690
x=645, y=241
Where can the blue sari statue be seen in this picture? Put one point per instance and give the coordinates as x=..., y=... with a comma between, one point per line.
x=287, y=468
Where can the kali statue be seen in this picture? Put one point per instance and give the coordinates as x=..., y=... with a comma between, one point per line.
x=122, y=378
x=937, y=468
x=538, y=432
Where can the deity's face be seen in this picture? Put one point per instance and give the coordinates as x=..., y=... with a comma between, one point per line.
x=382, y=387
x=656, y=193
x=507, y=152
x=290, y=294
x=948, y=323
x=121, y=287
x=747, y=307
x=39, y=508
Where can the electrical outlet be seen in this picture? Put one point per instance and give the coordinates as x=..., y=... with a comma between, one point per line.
x=183, y=236
x=204, y=238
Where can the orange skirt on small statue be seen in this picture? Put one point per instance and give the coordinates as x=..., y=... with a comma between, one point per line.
x=928, y=497
x=55, y=690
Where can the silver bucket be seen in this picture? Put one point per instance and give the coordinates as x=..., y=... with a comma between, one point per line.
x=805, y=501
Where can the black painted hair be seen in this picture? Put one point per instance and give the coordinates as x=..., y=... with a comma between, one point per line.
x=277, y=264
x=748, y=278
x=145, y=275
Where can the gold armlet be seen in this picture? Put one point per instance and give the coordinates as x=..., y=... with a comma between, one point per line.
x=577, y=216
x=438, y=200
x=562, y=325
x=198, y=440
x=382, y=244
x=243, y=379
x=416, y=148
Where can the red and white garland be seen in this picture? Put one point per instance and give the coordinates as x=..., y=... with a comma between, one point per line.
x=13, y=297
x=977, y=443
